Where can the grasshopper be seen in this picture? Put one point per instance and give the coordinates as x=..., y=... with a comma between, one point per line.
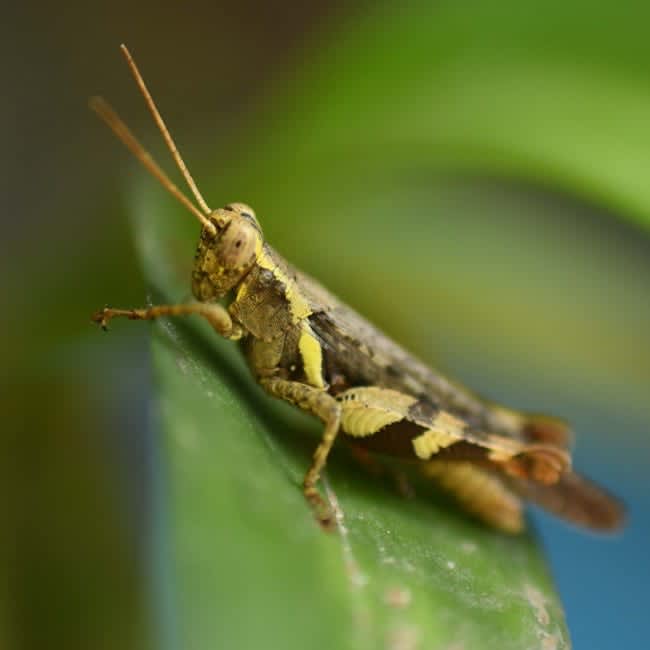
x=305, y=346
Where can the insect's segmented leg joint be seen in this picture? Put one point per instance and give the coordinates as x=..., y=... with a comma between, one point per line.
x=215, y=314
x=324, y=406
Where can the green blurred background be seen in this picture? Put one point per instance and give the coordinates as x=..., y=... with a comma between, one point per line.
x=478, y=177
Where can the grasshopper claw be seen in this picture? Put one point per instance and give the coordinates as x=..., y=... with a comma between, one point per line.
x=99, y=317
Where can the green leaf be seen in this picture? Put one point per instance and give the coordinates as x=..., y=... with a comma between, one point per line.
x=557, y=97
x=252, y=569
x=342, y=169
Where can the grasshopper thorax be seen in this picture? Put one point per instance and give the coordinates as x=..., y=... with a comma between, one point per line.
x=226, y=252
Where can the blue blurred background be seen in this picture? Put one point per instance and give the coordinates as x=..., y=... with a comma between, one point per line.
x=479, y=175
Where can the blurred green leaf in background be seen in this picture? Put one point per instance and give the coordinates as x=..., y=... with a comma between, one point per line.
x=470, y=177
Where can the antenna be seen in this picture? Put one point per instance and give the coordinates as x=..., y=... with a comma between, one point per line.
x=122, y=131
x=151, y=105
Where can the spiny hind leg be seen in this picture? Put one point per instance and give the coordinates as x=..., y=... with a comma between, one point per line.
x=215, y=314
x=319, y=403
x=394, y=423
x=479, y=491
x=387, y=421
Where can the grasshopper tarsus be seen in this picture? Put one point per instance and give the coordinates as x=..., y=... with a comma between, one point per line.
x=102, y=316
x=99, y=318
x=327, y=522
x=323, y=512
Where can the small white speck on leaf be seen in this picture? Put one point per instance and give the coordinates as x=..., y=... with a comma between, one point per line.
x=538, y=602
x=404, y=637
x=468, y=547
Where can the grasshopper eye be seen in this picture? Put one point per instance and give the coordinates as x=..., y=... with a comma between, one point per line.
x=238, y=245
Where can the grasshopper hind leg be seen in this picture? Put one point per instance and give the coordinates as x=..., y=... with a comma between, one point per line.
x=480, y=492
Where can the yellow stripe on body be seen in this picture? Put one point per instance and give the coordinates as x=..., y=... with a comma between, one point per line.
x=369, y=409
x=445, y=430
x=308, y=346
x=312, y=357
x=360, y=421
x=298, y=304
x=431, y=442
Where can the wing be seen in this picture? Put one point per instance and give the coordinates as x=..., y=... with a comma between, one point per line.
x=575, y=499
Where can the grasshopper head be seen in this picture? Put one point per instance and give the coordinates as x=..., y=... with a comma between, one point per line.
x=227, y=251
x=231, y=238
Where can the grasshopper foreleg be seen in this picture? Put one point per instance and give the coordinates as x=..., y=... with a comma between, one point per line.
x=215, y=314
x=324, y=406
